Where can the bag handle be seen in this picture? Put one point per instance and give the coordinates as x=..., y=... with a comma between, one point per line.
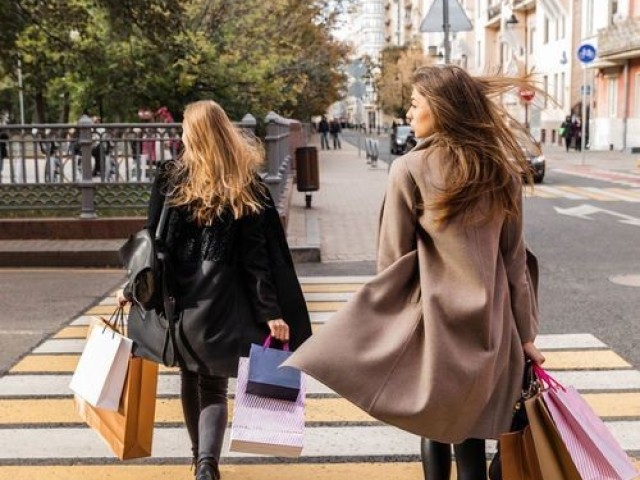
x=547, y=380
x=115, y=322
x=267, y=343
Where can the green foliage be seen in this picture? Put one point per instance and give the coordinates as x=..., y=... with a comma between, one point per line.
x=113, y=57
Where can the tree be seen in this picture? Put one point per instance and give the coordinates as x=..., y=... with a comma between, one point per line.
x=395, y=82
x=111, y=57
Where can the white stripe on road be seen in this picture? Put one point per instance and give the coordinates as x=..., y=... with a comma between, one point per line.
x=613, y=195
x=545, y=342
x=39, y=443
x=316, y=317
x=560, y=193
x=169, y=384
x=341, y=280
x=57, y=385
x=564, y=341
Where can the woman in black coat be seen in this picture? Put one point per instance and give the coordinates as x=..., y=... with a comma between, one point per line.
x=230, y=269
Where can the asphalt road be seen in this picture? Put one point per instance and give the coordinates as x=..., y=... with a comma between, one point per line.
x=34, y=303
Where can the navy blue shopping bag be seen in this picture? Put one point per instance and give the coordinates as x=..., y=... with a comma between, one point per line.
x=267, y=378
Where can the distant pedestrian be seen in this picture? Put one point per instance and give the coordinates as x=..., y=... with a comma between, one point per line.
x=323, y=128
x=335, y=129
x=576, y=132
x=565, y=132
x=436, y=343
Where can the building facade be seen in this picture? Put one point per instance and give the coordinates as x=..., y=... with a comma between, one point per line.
x=613, y=27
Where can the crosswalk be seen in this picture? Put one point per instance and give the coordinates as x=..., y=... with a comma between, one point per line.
x=602, y=194
x=42, y=436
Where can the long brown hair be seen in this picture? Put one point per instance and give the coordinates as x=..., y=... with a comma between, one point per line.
x=477, y=135
x=217, y=169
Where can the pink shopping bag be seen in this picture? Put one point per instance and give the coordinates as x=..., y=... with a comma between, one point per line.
x=595, y=452
x=266, y=425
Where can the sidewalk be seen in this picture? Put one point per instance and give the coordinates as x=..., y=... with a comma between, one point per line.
x=343, y=218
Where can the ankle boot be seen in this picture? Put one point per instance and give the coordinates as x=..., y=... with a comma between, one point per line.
x=207, y=470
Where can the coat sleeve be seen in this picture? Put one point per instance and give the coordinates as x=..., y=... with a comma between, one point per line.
x=257, y=270
x=397, y=233
x=522, y=286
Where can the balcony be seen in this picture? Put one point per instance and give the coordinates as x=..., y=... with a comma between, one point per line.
x=620, y=40
x=493, y=12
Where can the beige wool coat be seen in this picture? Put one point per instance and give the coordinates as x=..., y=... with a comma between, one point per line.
x=433, y=343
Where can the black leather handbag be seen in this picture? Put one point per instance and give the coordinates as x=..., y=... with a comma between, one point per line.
x=151, y=323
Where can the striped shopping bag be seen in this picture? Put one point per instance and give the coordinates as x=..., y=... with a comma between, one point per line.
x=265, y=425
x=593, y=449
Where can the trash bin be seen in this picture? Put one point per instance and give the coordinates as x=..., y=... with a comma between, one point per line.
x=307, y=177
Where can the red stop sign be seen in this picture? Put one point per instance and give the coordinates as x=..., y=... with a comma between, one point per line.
x=527, y=95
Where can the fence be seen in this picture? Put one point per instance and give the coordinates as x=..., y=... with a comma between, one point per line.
x=97, y=167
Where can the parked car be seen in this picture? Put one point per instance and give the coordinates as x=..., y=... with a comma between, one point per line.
x=535, y=160
x=402, y=140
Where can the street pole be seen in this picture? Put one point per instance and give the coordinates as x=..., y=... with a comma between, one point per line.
x=584, y=114
x=445, y=28
x=20, y=92
x=398, y=29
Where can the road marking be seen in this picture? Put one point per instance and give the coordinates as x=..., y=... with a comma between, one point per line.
x=585, y=210
x=47, y=385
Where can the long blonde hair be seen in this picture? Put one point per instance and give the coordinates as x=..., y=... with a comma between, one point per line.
x=218, y=167
x=477, y=134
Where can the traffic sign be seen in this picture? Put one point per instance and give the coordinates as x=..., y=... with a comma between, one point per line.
x=586, y=53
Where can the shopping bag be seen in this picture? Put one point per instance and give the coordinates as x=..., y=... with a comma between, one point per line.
x=266, y=425
x=267, y=378
x=100, y=373
x=595, y=452
x=553, y=458
x=518, y=456
x=129, y=431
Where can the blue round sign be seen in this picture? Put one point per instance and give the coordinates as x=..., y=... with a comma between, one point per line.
x=586, y=53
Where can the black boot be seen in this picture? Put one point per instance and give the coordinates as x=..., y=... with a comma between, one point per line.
x=207, y=469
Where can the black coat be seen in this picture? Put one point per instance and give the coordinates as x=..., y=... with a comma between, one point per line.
x=228, y=279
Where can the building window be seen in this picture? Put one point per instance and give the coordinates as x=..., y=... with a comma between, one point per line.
x=612, y=96
x=478, y=54
x=563, y=30
x=545, y=83
x=532, y=36
x=588, y=26
x=562, y=87
x=555, y=86
x=545, y=38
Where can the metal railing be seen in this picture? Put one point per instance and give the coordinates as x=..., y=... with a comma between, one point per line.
x=64, y=166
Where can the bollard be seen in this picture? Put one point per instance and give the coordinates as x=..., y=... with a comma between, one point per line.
x=87, y=187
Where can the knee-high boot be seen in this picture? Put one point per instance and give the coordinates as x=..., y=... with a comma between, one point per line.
x=436, y=459
x=471, y=460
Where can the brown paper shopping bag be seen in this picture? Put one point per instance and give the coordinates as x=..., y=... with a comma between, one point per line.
x=129, y=431
x=518, y=456
x=553, y=456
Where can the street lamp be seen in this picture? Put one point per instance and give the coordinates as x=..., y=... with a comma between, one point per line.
x=526, y=96
x=20, y=92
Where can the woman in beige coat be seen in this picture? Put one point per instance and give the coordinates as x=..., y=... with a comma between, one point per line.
x=435, y=344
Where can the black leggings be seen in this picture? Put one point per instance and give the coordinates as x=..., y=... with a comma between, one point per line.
x=471, y=460
x=204, y=404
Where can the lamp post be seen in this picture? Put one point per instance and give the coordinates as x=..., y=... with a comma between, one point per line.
x=526, y=96
x=20, y=92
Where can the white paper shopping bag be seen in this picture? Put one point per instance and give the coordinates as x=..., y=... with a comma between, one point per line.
x=100, y=374
x=264, y=425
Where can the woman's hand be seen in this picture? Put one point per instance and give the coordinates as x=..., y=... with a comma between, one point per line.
x=279, y=329
x=122, y=300
x=532, y=352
